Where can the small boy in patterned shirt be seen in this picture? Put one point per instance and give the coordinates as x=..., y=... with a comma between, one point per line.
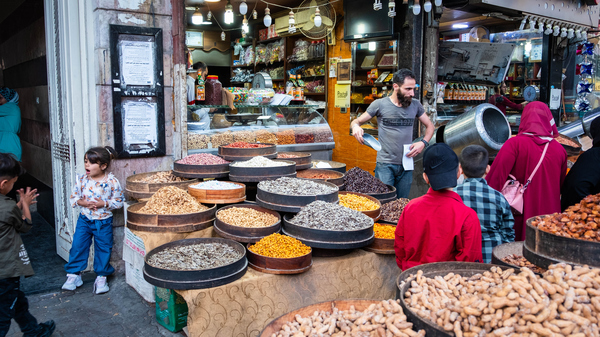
x=492, y=209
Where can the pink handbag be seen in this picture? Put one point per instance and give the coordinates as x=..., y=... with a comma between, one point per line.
x=513, y=190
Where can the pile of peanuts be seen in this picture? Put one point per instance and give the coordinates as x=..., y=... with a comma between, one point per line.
x=285, y=137
x=382, y=319
x=580, y=221
x=264, y=136
x=197, y=141
x=357, y=202
x=221, y=139
x=384, y=231
x=244, y=136
x=521, y=261
x=246, y=217
x=280, y=246
x=564, y=302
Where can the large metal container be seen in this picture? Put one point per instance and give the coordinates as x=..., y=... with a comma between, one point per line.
x=587, y=121
x=572, y=130
x=484, y=125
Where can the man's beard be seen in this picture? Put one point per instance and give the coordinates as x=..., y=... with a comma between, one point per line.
x=405, y=101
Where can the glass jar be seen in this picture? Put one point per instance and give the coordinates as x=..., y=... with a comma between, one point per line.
x=213, y=90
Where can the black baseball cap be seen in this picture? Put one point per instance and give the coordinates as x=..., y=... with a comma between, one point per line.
x=440, y=164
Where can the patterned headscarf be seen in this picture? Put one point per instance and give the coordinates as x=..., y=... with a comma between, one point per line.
x=8, y=94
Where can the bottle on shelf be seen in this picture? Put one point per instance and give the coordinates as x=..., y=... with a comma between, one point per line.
x=455, y=93
x=200, y=89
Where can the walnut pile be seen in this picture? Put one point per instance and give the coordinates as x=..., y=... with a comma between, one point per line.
x=580, y=221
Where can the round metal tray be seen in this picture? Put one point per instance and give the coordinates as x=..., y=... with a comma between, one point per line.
x=292, y=203
x=196, y=279
x=256, y=174
x=387, y=196
x=280, y=266
x=328, y=239
x=303, y=161
x=337, y=179
x=560, y=248
x=246, y=234
x=236, y=153
x=201, y=171
x=431, y=270
x=169, y=223
x=335, y=166
x=230, y=196
x=374, y=214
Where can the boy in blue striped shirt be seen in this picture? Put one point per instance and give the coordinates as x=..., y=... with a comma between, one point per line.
x=492, y=209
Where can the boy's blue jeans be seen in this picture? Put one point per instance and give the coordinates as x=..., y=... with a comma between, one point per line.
x=102, y=232
x=395, y=175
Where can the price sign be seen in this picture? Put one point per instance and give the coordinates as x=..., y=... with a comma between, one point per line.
x=536, y=53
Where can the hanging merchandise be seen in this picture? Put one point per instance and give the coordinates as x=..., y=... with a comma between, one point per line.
x=585, y=70
x=209, y=16
x=254, y=14
x=292, y=21
x=223, y=36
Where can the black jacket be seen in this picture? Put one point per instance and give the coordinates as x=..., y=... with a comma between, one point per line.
x=583, y=179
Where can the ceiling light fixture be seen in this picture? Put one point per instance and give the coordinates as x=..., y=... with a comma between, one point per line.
x=377, y=5
x=438, y=3
x=318, y=20
x=427, y=6
x=228, y=13
x=460, y=26
x=267, y=18
x=243, y=7
x=197, y=17
x=416, y=8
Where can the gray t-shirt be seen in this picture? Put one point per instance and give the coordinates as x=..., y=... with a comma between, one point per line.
x=395, y=127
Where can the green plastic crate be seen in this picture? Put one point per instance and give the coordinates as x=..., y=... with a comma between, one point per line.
x=171, y=309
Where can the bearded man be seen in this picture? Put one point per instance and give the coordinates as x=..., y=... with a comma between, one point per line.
x=395, y=118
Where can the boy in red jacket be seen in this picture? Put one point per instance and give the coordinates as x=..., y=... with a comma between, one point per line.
x=438, y=227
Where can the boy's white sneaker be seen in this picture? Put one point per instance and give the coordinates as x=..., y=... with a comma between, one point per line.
x=100, y=286
x=73, y=281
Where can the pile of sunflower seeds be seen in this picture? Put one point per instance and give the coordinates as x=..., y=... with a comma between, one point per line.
x=323, y=215
x=195, y=257
x=295, y=186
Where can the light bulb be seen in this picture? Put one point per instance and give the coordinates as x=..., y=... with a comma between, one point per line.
x=243, y=7
x=245, y=28
x=223, y=36
x=563, y=32
x=523, y=22
x=416, y=9
x=548, y=30
x=318, y=20
x=197, y=17
x=228, y=13
x=584, y=35
x=570, y=33
x=377, y=5
x=427, y=6
x=392, y=7
x=532, y=25
x=254, y=14
x=556, y=31
x=438, y=3
x=267, y=18
x=540, y=29
x=578, y=33
x=372, y=46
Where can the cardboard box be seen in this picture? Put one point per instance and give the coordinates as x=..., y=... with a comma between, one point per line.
x=263, y=34
x=272, y=33
x=171, y=309
x=133, y=255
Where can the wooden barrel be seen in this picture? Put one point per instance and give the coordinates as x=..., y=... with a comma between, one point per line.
x=169, y=223
x=303, y=161
x=195, y=279
x=239, y=154
x=219, y=196
x=201, y=171
x=432, y=270
x=328, y=239
x=374, y=214
x=343, y=305
x=549, y=248
x=334, y=177
x=280, y=266
x=256, y=174
x=140, y=191
x=246, y=234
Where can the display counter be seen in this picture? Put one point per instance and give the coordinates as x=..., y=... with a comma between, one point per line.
x=293, y=128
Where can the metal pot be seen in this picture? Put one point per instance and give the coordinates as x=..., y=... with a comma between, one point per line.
x=587, y=120
x=484, y=125
x=572, y=130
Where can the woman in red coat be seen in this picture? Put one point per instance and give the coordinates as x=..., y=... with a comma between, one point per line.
x=519, y=157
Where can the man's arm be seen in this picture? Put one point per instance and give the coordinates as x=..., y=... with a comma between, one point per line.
x=357, y=131
x=418, y=147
